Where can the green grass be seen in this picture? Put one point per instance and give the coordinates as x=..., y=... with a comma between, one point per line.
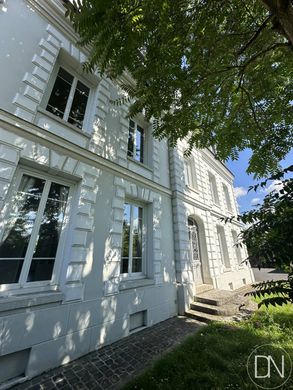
x=215, y=357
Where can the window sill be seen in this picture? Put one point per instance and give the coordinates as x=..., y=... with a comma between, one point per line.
x=9, y=303
x=140, y=164
x=192, y=189
x=62, y=122
x=130, y=284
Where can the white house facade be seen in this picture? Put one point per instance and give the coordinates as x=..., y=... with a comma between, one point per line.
x=103, y=229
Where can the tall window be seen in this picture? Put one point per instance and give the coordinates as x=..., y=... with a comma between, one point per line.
x=227, y=197
x=237, y=249
x=68, y=99
x=132, y=246
x=223, y=246
x=29, y=241
x=136, y=142
x=213, y=188
x=190, y=173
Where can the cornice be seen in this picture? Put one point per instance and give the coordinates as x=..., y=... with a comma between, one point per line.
x=32, y=132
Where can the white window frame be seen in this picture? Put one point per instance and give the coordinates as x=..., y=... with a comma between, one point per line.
x=237, y=248
x=227, y=197
x=45, y=285
x=190, y=173
x=76, y=78
x=224, y=254
x=130, y=274
x=213, y=188
x=145, y=143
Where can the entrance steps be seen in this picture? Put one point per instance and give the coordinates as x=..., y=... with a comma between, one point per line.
x=217, y=305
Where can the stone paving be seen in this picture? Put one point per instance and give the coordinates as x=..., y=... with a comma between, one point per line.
x=112, y=366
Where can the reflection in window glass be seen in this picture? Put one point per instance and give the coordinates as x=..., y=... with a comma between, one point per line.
x=132, y=239
x=35, y=221
x=136, y=142
x=60, y=93
x=50, y=229
x=126, y=239
x=18, y=229
x=68, y=99
x=137, y=240
x=79, y=103
x=131, y=138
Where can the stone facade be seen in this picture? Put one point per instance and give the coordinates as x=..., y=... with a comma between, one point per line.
x=88, y=303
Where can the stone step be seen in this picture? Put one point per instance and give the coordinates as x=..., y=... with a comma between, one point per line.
x=215, y=297
x=200, y=316
x=203, y=288
x=223, y=310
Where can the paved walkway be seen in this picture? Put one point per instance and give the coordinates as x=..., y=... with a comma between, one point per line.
x=113, y=365
x=268, y=274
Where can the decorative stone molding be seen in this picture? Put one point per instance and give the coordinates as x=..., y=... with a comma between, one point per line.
x=78, y=253
x=34, y=84
x=125, y=189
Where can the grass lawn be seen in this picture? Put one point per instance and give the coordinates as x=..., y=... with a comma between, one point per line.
x=215, y=357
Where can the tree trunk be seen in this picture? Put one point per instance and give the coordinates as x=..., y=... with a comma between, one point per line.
x=282, y=11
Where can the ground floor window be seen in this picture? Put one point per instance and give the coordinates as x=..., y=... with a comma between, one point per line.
x=236, y=247
x=223, y=246
x=32, y=229
x=132, y=261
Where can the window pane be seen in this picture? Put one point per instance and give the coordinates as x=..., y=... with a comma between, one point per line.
x=60, y=93
x=49, y=234
x=78, y=106
x=137, y=239
x=227, y=197
x=125, y=239
x=137, y=264
x=10, y=271
x=19, y=226
x=139, y=144
x=131, y=139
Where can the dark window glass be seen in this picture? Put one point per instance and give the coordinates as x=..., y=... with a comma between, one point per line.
x=60, y=93
x=131, y=138
x=49, y=234
x=19, y=226
x=78, y=106
x=10, y=271
x=139, y=144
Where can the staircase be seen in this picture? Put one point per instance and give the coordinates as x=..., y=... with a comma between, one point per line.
x=216, y=305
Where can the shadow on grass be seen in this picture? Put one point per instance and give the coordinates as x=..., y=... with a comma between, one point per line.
x=216, y=356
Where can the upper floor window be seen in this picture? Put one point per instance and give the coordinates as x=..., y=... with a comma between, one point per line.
x=190, y=173
x=227, y=197
x=213, y=188
x=132, y=261
x=69, y=98
x=136, y=142
x=33, y=227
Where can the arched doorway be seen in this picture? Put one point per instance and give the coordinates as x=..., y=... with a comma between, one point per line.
x=195, y=251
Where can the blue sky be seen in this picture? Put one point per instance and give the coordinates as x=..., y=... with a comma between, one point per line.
x=242, y=180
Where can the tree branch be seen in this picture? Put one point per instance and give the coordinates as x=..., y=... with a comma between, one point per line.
x=255, y=35
x=251, y=107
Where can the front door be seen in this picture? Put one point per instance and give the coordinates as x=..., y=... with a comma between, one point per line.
x=195, y=252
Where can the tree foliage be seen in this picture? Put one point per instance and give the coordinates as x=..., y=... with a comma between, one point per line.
x=268, y=236
x=218, y=73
